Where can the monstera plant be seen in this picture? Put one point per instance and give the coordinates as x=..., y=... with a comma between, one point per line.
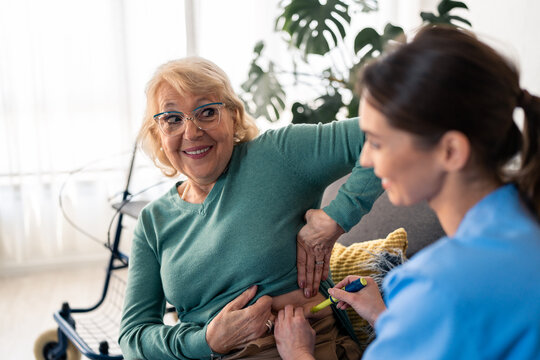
x=317, y=28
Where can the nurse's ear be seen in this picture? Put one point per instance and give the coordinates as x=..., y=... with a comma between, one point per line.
x=454, y=150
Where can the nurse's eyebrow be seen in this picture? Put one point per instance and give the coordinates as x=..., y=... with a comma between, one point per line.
x=369, y=133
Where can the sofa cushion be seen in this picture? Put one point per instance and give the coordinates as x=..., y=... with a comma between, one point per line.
x=369, y=258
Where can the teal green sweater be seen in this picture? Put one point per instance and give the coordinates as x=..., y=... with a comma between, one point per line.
x=199, y=257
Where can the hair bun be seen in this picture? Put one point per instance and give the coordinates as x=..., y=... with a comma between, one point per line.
x=524, y=98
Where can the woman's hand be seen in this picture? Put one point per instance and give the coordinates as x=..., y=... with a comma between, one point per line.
x=235, y=325
x=368, y=302
x=295, y=338
x=314, y=246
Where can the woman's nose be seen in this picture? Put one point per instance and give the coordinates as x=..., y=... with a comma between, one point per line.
x=191, y=130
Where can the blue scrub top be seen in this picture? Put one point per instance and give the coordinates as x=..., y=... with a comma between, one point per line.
x=473, y=296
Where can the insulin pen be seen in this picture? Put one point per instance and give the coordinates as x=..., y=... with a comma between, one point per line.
x=354, y=286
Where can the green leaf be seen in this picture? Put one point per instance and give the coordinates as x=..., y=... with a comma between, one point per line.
x=265, y=95
x=376, y=42
x=326, y=112
x=367, y=5
x=301, y=114
x=444, y=17
x=259, y=46
x=367, y=37
x=458, y=18
x=391, y=32
x=428, y=17
x=445, y=6
x=353, y=107
x=307, y=22
x=255, y=72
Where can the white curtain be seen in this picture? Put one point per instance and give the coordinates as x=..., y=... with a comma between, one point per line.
x=72, y=77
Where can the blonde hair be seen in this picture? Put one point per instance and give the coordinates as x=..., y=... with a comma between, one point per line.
x=193, y=75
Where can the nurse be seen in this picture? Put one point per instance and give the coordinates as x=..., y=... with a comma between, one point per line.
x=438, y=116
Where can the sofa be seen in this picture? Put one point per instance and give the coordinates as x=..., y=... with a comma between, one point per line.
x=419, y=221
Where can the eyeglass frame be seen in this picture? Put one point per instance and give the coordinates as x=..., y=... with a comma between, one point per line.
x=191, y=118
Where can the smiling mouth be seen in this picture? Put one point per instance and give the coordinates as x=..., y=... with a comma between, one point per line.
x=198, y=151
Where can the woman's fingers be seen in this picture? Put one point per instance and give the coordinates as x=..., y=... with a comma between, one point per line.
x=317, y=274
x=299, y=311
x=310, y=274
x=310, y=269
x=236, y=325
x=262, y=317
x=346, y=281
x=315, y=242
x=241, y=300
x=368, y=302
x=295, y=338
x=301, y=261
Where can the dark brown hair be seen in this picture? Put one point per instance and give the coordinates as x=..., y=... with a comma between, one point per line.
x=446, y=79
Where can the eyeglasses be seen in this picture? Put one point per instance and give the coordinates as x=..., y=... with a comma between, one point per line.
x=205, y=117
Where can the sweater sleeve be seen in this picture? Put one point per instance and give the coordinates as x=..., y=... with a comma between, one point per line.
x=143, y=335
x=320, y=154
x=354, y=198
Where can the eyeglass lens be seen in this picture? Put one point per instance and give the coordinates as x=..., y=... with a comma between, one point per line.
x=205, y=117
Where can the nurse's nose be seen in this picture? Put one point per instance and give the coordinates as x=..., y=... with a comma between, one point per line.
x=365, y=156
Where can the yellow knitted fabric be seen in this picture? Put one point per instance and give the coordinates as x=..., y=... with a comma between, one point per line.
x=354, y=259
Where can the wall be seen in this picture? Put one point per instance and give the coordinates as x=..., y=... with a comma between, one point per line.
x=515, y=26
x=512, y=27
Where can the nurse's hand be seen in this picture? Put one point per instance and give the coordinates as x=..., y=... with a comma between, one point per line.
x=295, y=339
x=235, y=325
x=368, y=302
x=314, y=246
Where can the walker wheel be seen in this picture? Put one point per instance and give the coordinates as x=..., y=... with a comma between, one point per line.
x=47, y=340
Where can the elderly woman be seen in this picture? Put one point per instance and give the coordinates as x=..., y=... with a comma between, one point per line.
x=438, y=116
x=221, y=246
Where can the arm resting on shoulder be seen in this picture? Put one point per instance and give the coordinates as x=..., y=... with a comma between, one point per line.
x=334, y=154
